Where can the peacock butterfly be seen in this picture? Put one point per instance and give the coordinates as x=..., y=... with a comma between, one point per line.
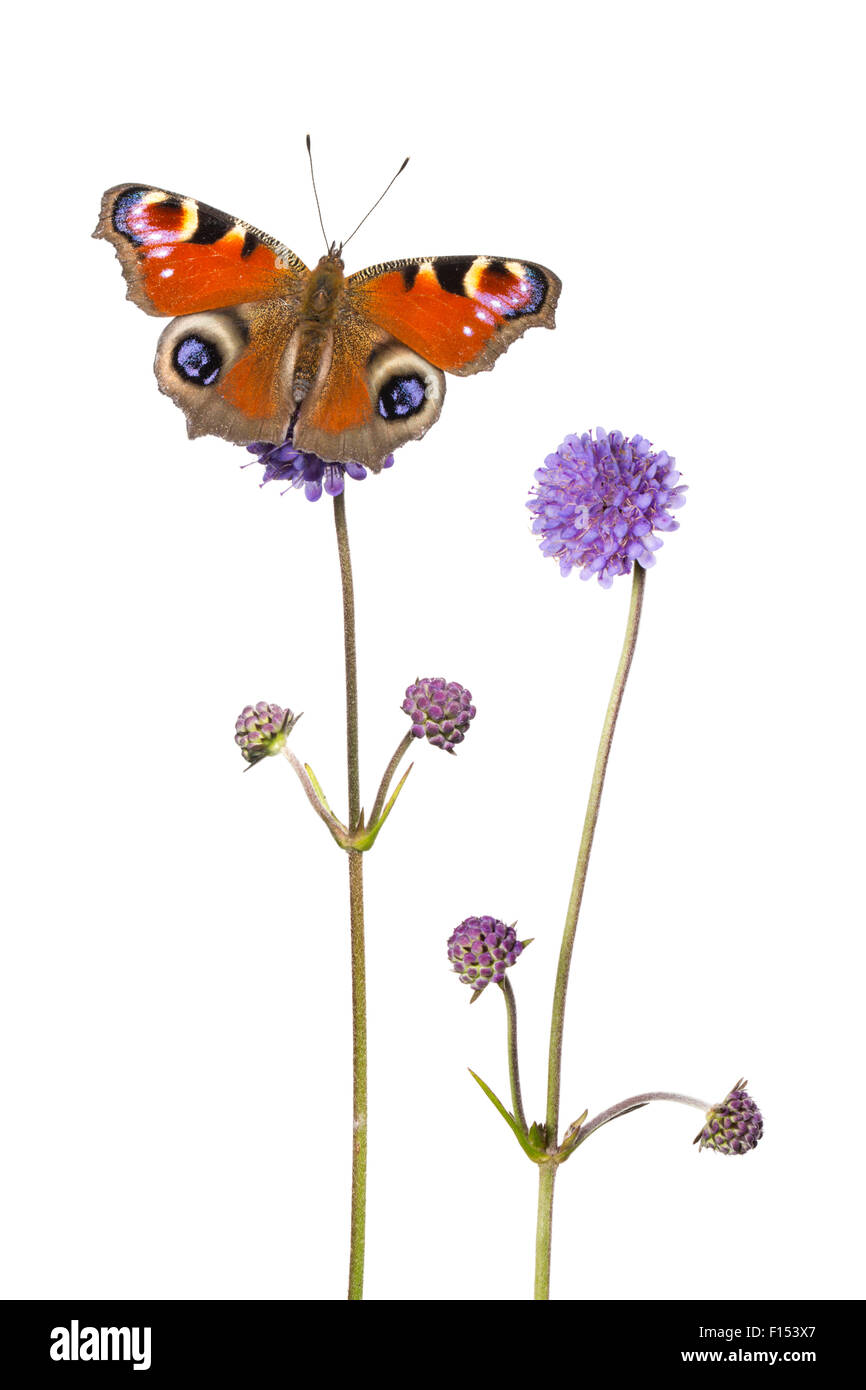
x=259, y=342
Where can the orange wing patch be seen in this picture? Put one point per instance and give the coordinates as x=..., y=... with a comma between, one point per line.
x=180, y=256
x=187, y=279
x=448, y=329
x=458, y=312
x=258, y=384
x=342, y=401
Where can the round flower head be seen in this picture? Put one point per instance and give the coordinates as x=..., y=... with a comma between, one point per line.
x=481, y=949
x=599, y=502
x=440, y=711
x=734, y=1125
x=262, y=730
x=286, y=464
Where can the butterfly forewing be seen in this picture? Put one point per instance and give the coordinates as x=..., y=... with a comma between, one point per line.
x=459, y=312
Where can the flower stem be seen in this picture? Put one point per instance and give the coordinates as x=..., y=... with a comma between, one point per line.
x=513, y=1064
x=359, y=1078
x=351, y=660
x=322, y=811
x=544, y=1229
x=402, y=747
x=356, y=913
x=557, y=1022
x=636, y=1103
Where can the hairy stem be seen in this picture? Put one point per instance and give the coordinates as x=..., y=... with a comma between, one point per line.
x=359, y=1078
x=321, y=811
x=557, y=1021
x=402, y=748
x=356, y=913
x=513, y=1063
x=544, y=1229
x=351, y=660
x=636, y=1103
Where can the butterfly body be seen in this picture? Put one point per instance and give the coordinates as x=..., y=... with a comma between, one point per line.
x=258, y=342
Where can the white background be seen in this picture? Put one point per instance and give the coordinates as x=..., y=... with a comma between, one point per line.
x=175, y=1007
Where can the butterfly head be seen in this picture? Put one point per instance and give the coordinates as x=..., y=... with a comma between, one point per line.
x=334, y=256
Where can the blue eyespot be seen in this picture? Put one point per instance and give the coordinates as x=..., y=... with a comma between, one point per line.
x=401, y=396
x=198, y=361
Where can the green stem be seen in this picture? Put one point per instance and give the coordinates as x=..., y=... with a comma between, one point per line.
x=356, y=913
x=351, y=660
x=557, y=1021
x=513, y=1064
x=359, y=1078
x=544, y=1229
x=402, y=748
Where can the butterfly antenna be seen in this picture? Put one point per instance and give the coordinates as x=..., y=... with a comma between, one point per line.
x=316, y=195
x=376, y=204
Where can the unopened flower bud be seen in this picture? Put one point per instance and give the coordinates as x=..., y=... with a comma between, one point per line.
x=262, y=730
x=734, y=1125
x=440, y=711
x=481, y=949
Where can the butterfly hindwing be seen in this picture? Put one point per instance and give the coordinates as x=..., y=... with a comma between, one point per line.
x=180, y=256
x=375, y=395
x=459, y=312
x=230, y=370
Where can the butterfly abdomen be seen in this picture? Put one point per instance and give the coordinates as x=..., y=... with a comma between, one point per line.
x=312, y=342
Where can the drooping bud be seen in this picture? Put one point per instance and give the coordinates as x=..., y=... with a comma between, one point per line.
x=481, y=950
x=262, y=730
x=734, y=1126
x=440, y=711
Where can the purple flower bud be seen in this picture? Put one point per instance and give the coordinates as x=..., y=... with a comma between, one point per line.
x=734, y=1125
x=481, y=950
x=439, y=710
x=599, y=502
x=262, y=730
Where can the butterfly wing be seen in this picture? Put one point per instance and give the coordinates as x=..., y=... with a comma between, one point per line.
x=237, y=293
x=401, y=326
x=180, y=256
x=458, y=312
x=372, y=395
x=239, y=356
x=230, y=370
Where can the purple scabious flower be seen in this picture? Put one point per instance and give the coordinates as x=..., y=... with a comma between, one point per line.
x=261, y=730
x=284, y=463
x=734, y=1126
x=481, y=950
x=440, y=711
x=599, y=502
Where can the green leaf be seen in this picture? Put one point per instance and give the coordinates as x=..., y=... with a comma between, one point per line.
x=521, y=1137
x=323, y=800
x=367, y=840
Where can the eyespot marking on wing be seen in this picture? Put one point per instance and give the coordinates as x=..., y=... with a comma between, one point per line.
x=198, y=360
x=401, y=396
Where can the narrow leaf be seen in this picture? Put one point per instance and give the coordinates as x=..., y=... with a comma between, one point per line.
x=509, y=1119
x=369, y=838
x=317, y=788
